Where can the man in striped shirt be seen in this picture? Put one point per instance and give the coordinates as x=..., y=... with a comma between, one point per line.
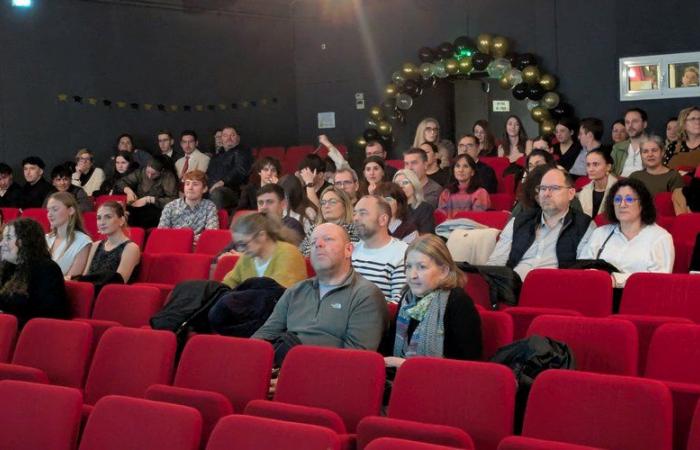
x=378, y=256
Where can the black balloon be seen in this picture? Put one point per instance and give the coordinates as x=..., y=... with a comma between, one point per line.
x=513, y=58
x=463, y=43
x=524, y=60
x=412, y=88
x=535, y=92
x=426, y=54
x=480, y=61
x=389, y=104
x=562, y=110
x=387, y=141
x=371, y=134
x=446, y=50
x=520, y=91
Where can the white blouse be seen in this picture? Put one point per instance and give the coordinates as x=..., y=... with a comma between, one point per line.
x=649, y=251
x=65, y=257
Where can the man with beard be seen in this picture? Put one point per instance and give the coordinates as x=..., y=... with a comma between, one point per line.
x=626, y=154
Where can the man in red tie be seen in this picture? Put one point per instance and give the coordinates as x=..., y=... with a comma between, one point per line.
x=193, y=159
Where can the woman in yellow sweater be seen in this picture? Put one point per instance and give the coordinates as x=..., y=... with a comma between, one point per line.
x=265, y=251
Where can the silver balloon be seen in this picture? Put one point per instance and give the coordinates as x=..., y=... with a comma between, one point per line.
x=498, y=67
x=427, y=70
x=514, y=77
x=531, y=104
x=440, y=70
x=404, y=101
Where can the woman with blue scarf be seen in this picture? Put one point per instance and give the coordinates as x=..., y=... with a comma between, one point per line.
x=436, y=317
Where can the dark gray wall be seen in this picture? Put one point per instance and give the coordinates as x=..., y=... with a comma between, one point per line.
x=580, y=42
x=138, y=54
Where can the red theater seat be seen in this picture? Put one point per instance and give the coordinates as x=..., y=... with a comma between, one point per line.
x=224, y=265
x=170, y=240
x=212, y=242
x=39, y=215
x=684, y=230
x=664, y=204
x=80, y=296
x=496, y=332
x=101, y=199
x=129, y=305
x=8, y=333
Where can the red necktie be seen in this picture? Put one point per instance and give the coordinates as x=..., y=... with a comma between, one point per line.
x=185, y=167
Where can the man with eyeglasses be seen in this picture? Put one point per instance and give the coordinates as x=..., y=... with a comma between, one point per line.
x=166, y=145
x=336, y=308
x=545, y=237
x=346, y=180
x=469, y=145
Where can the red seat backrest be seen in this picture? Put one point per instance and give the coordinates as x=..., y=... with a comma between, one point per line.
x=80, y=297
x=664, y=204
x=662, y=294
x=694, y=435
x=273, y=152
x=586, y=291
x=39, y=215
x=496, y=331
x=674, y=353
x=170, y=240
x=101, y=199
x=223, y=219
x=173, y=268
x=224, y=265
x=9, y=214
x=8, y=333
x=131, y=306
x=397, y=164
x=502, y=202
x=212, y=242
x=684, y=230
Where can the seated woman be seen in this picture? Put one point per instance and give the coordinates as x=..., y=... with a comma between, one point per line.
x=592, y=196
x=373, y=173
x=336, y=208
x=68, y=243
x=435, y=316
x=463, y=193
x=487, y=142
x=515, y=142
x=115, y=258
x=299, y=207
x=420, y=212
x=265, y=170
x=265, y=252
x=400, y=226
x=567, y=147
x=123, y=165
x=86, y=175
x=32, y=284
x=632, y=241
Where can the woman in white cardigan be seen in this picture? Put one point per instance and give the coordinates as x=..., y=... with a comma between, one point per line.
x=599, y=169
x=86, y=175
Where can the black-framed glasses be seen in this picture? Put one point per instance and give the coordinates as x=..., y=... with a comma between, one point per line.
x=241, y=246
x=554, y=188
x=628, y=199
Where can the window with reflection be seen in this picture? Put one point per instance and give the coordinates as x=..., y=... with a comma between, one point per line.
x=643, y=77
x=683, y=75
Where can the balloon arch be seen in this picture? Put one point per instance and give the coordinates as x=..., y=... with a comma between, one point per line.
x=464, y=59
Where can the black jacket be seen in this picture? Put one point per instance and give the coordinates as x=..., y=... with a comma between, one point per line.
x=33, y=195
x=11, y=199
x=232, y=167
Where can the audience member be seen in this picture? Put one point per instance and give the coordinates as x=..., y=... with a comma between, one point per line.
x=335, y=208
x=271, y=201
x=487, y=142
x=336, y=308
x=36, y=189
x=515, y=142
x=193, y=210
x=32, y=284
x=193, y=158
x=632, y=241
x=590, y=133
x=298, y=206
x=420, y=212
x=446, y=153
x=125, y=143
x=618, y=132
x=657, y=177
x=263, y=244
x=435, y=317
x=378, y=256
x=548, y=236
x=68, y=243
x=469, y=145
x=115, y=257
x=691, y=76
x=599, y=170
x=400, y=225
x=86, y=175
x=416, y=160
x=567, y=147
x=671, y=131
x=373, y=174
x=463, y=192
x=432, y=167
x=626, y=154
x=147, y=191
x=10, y=191
x=685, y=152
x=428, y=130
x=543, y=142
x=229, y=169
x=61, y=181
x=123, y=166
x=346, y=180
x=265, y=170
x=526, y=193
x=166, y=146
x=311, y=171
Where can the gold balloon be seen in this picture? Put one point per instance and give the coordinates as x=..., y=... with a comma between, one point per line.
x=376, y=112
x=499, y=47
x=391, y=90
x=361, y=142
x=384, y=128
x=549, y=82
x=550, y=99
x=410, y=71
x=465, y=65
x=539, y=114
x=531, y=74
x=547, y=127
x=504, y=82
x=483, y=42
x=451, y=66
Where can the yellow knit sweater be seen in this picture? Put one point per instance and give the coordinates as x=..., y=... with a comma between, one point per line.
x=287, y=267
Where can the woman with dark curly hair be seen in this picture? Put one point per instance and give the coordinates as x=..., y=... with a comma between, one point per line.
x=632, y=241
x=32, y=283
x=266, y=170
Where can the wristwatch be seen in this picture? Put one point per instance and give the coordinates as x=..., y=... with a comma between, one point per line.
x=308, y=185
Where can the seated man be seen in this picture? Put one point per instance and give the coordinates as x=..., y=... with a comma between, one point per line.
x=148, y=190
x=228, y=169
x=378, y=256
x=61, y=181
x=549, y=236
x=337, y=308
x=272, y=201
x=36, y=189
x=657, y=177
x=9, y=189
x=192, y=211
x=416, y=160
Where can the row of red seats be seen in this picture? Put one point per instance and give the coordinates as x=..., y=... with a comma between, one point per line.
x=290, y=157
x=456, y=403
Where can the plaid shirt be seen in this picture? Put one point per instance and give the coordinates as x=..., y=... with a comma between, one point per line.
x=178, y=214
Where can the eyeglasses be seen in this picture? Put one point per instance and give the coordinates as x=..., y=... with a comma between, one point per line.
x=628, y=199
x=242, y=245
x=330, y=202
x=84, y=158
x=344, y=183
x=389, y=199
x=553, y=188
x=432, y=129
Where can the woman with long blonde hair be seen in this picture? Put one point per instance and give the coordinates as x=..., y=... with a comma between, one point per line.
x=68, y=242
x=428, y=130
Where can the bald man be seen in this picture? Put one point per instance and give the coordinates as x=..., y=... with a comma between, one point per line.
x=337, y=308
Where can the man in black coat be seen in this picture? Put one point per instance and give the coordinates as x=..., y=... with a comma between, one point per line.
x=9, y=189
x=36, y=188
